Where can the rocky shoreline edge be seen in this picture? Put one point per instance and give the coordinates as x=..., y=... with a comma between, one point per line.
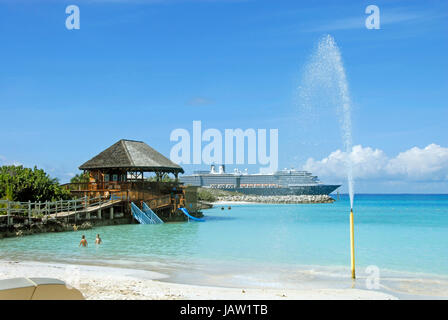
x=286, y=199
x=24, y=228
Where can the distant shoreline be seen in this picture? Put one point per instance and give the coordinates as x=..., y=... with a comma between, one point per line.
x=225, y=202
x=254, y=199
x=284, y=199
x=391, y=194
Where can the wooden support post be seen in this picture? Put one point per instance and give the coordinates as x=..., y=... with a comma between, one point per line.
x=87, y=215
x=38, y=210
x=98, y=214
x=112, y=213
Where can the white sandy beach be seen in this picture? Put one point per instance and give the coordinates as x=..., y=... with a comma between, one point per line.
x=99, y=283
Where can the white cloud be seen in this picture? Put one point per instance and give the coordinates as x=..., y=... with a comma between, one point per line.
x=429, y=163
x=416, y=164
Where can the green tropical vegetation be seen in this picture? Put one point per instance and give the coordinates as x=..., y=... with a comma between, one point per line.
x=206, y=195
x=25, y=184
x=80, y=178
x=163, y=178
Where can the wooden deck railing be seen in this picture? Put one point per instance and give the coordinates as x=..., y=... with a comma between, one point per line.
x=123, y=186
x=30, y=210
x=10, y=210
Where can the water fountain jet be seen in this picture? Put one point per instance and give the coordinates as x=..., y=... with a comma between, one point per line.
x=325, y=73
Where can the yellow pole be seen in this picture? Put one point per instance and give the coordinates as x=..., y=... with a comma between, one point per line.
x=352, y=244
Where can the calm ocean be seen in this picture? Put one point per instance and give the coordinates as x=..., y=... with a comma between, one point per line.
x=396, y=233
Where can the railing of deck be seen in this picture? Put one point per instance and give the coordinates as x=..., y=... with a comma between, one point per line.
x=123, y=185
x=30, y=210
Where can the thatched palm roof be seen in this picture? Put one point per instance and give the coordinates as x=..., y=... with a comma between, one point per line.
x=132, y=156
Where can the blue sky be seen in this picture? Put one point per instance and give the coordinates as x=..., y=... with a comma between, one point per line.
x=140, y=69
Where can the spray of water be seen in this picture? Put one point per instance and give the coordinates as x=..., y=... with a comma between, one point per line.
x=324, y=82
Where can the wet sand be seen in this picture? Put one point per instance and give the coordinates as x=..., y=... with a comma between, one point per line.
x=99, y=283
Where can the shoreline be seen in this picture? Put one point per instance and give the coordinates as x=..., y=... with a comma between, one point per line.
x=124, y=282
x=105, y=282
x=227, y=202
x=273, y=199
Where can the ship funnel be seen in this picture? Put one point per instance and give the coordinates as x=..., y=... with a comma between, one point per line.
x=222, y=169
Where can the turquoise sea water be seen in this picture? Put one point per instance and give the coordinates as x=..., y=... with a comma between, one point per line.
x=405, y=233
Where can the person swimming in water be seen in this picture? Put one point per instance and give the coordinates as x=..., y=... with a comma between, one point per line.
x=98, y=239
x=83, y=241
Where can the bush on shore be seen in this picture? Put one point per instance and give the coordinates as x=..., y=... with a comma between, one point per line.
x=25, y=184
x=206, y=195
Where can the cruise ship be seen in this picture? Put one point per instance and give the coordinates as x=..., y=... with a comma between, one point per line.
x=283, y=182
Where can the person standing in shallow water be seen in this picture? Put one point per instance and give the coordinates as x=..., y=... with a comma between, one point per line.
x=98, y=239
x=83, y=241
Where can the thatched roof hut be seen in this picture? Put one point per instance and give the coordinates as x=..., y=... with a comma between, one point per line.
x=130, y=155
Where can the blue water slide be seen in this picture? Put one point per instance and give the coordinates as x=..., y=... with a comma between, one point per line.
x=184, y=210
x=151, y=214
x=139, y=215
